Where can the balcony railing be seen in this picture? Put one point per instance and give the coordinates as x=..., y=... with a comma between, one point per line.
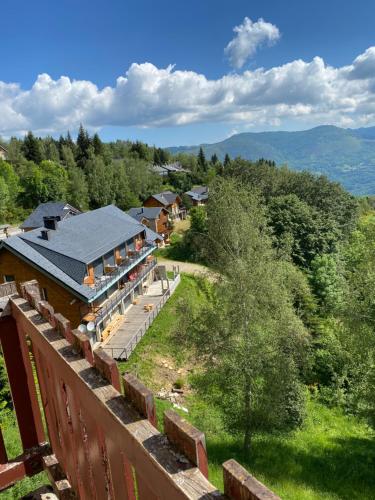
x=110, y=278
x=112, y=302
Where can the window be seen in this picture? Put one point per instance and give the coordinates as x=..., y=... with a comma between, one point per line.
x=8, y=278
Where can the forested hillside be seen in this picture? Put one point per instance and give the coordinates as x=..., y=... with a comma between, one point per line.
x=86, y=173
x=344, y=155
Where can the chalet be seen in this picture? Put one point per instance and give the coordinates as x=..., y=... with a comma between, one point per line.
x=89, y=267
x=59, y=210
x=155, y=218
x=3, y=153
x=169, y=168
x=170, y=201
x=198, y=195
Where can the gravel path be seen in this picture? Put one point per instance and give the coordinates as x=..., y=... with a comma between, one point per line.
x=185, y=267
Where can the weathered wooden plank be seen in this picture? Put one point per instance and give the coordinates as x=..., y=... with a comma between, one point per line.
x=27, y=464
x=241, y=485
x=188, y=440
x=141, y=397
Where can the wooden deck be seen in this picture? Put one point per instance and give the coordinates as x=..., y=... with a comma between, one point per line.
x=136, y=322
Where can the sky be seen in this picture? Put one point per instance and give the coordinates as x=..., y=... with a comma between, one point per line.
x=174, y=72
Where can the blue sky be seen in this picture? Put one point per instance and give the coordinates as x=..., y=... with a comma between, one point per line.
x=291, y=65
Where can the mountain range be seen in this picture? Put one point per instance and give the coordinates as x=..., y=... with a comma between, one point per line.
x=343, y=155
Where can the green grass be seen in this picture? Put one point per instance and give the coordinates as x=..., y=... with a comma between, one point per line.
x=331, y=457
x=13, y=446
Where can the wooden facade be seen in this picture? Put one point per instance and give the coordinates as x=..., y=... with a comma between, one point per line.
x=59, y=297
x=14, y=268
x=173, y=208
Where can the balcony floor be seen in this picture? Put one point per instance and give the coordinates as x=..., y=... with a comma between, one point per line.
x=134, y=320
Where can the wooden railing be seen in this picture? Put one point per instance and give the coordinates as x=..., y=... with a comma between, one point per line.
x=7, y=289
x=102, y=437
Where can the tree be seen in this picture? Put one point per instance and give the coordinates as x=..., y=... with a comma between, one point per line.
x=50, y=150
x=4, y=200
x=101, y=180
x=248, y=336
x=201, y=160
x=186, y=201
x=83, y=147
x=12, y=181
x=301, y=230
x=97, y=145
x=358, y=319
x=31, y=148
x=55, y=180
x=227, y=160
x=327, y=281
x=34, y=189
x=214, y=159
x=77, y=191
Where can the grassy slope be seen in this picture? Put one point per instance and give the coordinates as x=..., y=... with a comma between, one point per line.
x=331, y=457
x=14, y=448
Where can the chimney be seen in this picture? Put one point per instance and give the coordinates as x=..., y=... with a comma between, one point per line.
x=51, y=221
x=46, y=234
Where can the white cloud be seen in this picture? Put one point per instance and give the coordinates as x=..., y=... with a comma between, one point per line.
x=299, y=92
x=249, y=36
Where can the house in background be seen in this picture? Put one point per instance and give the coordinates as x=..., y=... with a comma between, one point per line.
x=198, y=195
x=169, y=168
x=90, y=268
x=59, y=210
x=3, y=153
x=155, y=218
x=170, y=201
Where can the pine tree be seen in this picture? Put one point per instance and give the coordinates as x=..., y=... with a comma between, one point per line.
x=202, y=163
x=83, y=146
x=227, y=160
x=97, y=145
x=214, y=159
x=31, y=148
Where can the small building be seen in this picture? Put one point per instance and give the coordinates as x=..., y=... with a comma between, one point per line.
x=155, y=218
x=90, y=268
x=169, y=168
x=60, y=210
x=3, y=153
x=198, y=195
x=170, y=201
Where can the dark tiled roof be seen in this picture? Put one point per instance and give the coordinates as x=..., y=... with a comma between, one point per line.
x=199, y=193
x=169, y=168
x=77, y=242
x=139, y=213
x=61, y=209
x=2, y=148
x=148, y=212
x=151, y=236
x=166, y=197
x=199, y=189
x=89, y=236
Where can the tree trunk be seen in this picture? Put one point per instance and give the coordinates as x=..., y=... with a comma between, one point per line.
x=247, y=430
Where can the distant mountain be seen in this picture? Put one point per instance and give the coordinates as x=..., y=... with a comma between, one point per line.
x=343, y=155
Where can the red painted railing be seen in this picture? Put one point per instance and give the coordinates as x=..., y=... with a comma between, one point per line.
x=102, y=436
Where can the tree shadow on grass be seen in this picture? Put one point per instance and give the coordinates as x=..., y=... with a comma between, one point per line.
x=345, y=469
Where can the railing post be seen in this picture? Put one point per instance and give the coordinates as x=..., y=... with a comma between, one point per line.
x=21, y=380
